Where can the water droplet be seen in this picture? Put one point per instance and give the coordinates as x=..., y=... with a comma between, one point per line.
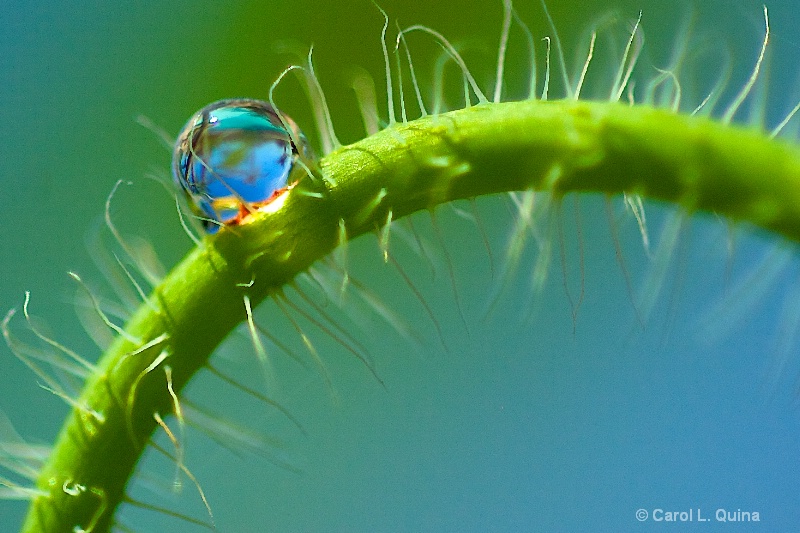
x=234, y=156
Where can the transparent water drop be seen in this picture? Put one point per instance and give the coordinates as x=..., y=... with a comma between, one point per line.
x=234, y=156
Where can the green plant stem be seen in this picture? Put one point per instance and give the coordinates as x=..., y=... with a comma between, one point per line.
x=558, y=147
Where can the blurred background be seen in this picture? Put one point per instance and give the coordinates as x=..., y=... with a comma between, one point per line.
x=530, y=420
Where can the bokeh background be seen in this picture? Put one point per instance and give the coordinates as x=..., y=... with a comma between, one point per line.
x=530, y=420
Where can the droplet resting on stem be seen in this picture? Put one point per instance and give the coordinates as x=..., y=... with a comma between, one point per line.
x=235, y=156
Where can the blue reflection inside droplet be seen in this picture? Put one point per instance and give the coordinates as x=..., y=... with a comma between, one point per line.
x=234, y=156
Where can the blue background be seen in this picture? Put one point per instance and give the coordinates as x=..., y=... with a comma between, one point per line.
x=530, y=420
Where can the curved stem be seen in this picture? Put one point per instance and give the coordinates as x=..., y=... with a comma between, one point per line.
x=552, y=146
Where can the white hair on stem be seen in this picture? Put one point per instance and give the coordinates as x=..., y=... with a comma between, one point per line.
x=261, y=352
x=401, y=37
x=96, y=304
x=400, y=91
x=323, y=102
x=531, y=54
x=151, y=277
x=364, y=88
x=178, y=412
x=211, y=526
x=582, y=77
x=740, y=98
x=628, y=62
x=559, y=51
x=421, y=300
x=387, y=68
x=775, y=132
x=89, y=367
x=280, y=299
x=501, y=52
x=255, y=394
x=455, y=55
x=546, y=86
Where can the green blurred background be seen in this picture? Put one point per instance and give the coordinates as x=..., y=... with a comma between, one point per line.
x=522, y=424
